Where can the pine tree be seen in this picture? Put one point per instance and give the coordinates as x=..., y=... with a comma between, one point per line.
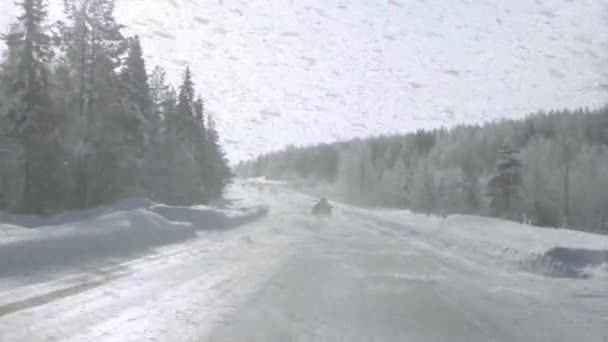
x=89, y=126
x=505, y=188
x=185, y=174
x=30, y=111
x=135, y=77
x=139, y=108
x=199, y=118
x=92, y=48
x=220, y=173
x=423, y=195
x=444, y=170
x=201, y=145
x=355, y=174
x=185, y=108
x=470, y=183
x=158, y=90
x=10, y=147
x=137, y=90
x=154, y=164
x=168, y=108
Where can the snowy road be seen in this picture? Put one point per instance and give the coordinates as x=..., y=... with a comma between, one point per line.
x=359, y=277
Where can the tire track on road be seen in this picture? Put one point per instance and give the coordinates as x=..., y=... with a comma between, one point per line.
x=49, y=297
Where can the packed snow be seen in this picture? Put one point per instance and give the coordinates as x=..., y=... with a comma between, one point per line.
x=514, y=246
x=31, y=244
x=276, y=73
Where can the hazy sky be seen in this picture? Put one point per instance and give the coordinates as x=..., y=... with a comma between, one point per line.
x=296, y=72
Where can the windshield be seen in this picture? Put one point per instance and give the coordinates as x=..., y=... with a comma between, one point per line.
x=315, y=170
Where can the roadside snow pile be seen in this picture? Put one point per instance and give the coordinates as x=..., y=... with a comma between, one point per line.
x=115, y=235
x=565, y=262
x=126, y=228
x=33, y=221
x=207, y=218
x=484, y=240
x=263, y=181
x=551, y=252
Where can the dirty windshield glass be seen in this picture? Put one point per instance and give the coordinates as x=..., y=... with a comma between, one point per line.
x=311, y=170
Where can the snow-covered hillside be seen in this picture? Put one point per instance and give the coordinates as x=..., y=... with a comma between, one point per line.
x=295, y=72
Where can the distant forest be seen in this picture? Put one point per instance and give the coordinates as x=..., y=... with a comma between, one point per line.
x=83, y=123
x=549, y=169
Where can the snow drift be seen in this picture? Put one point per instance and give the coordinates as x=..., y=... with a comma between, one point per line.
x=566, y=262
x=34, y=221
x=485, y=242
x=115, y=235
x=124, y=229
x=547, y=251
x=202, y=217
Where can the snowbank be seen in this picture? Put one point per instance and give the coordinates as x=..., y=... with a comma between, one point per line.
x=572, y=262
x=206, y=218
x=114, y=235
x=552, y=252
x=262, y=181
x=483, y=240
x=33, y=221
x=118, y=231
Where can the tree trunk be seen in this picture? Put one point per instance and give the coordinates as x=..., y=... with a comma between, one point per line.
x=81, y=187
x=566, y=208
x=26, y=204
x=566, y=199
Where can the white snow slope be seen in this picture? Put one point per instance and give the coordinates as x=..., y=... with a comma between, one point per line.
x=363, y=275
x=296, y=72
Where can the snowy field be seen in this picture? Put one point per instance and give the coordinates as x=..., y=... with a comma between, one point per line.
x=363, y=275
x=298, y=72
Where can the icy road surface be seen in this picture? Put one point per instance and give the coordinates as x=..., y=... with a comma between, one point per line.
x=361, y=276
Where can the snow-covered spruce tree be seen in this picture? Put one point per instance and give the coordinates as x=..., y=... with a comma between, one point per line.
x=158, y=89
x=139, y=108
x=135, y=78
x=543, y=189
x=445, y=170
x=29, y=110
x=423, y=193
x=505, y=187
x=220, y=172
x=168, y=109
x=153, y=168
x=11, y=171
x=202, y=146
x=89, y=126
x=93, y=47
x=199, y=118
x=588, y=183
x=185, y=174
x=355, y=178
x=391, y=187
x=197, y=167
